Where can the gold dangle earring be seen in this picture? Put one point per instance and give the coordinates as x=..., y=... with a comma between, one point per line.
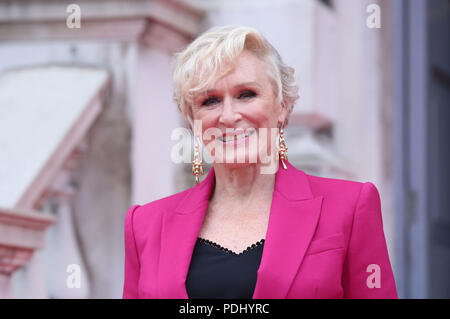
x=197, y=164
x=282, y=148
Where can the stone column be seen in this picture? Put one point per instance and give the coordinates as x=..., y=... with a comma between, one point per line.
x=155, y=115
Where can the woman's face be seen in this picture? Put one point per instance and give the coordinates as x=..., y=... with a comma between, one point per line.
x=240, y=114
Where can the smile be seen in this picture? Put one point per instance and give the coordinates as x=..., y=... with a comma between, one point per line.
x=235, y=138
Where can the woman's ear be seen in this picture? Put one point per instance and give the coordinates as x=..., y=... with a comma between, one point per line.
x=282, y=116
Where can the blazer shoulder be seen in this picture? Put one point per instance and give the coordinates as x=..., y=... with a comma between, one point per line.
x=347, y=195
x=338, y=188
x=148, y=217
x=332, y=183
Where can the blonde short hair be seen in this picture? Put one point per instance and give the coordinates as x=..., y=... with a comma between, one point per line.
x=214, y=54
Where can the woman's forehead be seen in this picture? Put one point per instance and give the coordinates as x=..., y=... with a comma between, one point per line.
x=248, y=72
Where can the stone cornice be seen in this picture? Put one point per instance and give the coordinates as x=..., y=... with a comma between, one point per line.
x=100, y=19
x=23, y=229
x=29, y=219
x=21, y=232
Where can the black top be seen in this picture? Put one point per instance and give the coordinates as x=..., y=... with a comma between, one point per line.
x=218, y=273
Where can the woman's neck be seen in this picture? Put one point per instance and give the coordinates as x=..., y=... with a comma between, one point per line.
x=242, y=184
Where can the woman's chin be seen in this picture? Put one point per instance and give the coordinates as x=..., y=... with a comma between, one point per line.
x=236, y=162
x=236, y=165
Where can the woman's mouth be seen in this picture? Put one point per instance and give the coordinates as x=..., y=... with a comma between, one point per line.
x=235, y=138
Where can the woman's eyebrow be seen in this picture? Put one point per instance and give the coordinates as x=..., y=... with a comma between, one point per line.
x=247, y=84
x=206, y=92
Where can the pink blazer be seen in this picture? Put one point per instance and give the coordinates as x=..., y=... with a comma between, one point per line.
x=325, y=239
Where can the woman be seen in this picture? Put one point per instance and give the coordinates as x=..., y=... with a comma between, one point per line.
x=249, y=231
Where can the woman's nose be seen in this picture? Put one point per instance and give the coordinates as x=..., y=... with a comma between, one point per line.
x=228, y=115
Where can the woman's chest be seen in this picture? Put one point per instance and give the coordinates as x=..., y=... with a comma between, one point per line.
x=235, y=230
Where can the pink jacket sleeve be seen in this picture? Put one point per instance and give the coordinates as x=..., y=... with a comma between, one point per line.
x=132, y=264
x=367, y=270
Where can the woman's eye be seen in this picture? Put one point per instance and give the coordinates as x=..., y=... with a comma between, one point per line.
x=210, y=101
x=247, y=94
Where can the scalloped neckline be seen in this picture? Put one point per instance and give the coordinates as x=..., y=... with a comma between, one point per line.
x=220, y=247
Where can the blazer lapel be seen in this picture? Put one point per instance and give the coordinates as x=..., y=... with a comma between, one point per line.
x=293, y=219
x=179, y=234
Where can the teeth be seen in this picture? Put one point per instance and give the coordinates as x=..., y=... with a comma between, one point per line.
x=233, y=137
